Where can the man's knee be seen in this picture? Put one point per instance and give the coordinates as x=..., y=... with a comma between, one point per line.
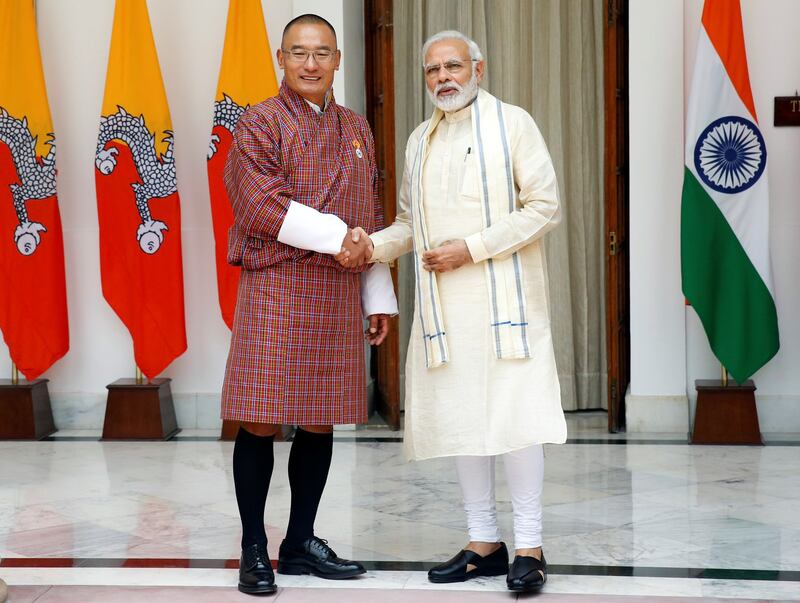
x=317, y=428
x=261, y=429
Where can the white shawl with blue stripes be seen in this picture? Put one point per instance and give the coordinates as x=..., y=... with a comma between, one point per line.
x=504, y=277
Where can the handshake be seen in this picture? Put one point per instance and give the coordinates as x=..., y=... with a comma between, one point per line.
x=356, y=249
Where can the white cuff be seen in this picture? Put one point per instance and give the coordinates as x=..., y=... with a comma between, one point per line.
x=377, y=291
x=477, y=248
x=306, y=228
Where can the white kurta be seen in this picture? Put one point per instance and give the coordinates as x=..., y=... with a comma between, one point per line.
x=475, y=404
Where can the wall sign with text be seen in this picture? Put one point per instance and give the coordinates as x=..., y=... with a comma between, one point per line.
x=787, y=110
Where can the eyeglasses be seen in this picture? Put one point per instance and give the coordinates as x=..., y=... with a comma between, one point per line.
x=453, y=67
x=300, y=55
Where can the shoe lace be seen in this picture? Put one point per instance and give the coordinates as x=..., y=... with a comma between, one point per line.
x=257, y=555
x=321, y=543
x=263, y=556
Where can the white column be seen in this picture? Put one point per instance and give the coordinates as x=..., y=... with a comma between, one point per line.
x=656, y=400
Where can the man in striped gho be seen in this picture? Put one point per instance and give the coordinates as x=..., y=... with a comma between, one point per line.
x=300, y=174
x=478, y=194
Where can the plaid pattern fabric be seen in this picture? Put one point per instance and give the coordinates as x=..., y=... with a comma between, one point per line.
x=297, y=352
x=283, y=151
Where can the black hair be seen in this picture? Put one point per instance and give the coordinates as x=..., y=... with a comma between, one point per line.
x=307, y=18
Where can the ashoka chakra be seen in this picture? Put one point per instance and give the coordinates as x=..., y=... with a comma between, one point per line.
x=730, y=154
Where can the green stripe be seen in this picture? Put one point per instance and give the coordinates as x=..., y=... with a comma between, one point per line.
x=719, y=280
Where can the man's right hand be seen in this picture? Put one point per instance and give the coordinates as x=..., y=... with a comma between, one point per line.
x=356, y=249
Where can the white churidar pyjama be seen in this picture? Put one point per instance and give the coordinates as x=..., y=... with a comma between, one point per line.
x=525, y=476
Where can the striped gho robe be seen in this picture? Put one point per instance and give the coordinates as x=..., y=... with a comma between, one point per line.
x=297, y=348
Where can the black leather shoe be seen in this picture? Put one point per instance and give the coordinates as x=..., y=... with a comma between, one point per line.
x=524, y=574
x=255, y=571
x=318, y=559
x=455, y=570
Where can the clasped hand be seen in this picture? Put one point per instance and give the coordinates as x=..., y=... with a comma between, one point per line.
x=448, y=256
x=356, y=249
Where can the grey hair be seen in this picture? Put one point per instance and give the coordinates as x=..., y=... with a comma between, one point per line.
x=450, y=34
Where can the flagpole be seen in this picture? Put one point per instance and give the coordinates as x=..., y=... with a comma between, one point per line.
x=14, y=374
x=724, y=376
x=139, y=376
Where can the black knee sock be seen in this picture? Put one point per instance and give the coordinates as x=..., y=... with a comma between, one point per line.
x=252, y=469
x=309, y=461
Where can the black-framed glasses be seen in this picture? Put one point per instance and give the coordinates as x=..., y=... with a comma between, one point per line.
x=300, y=55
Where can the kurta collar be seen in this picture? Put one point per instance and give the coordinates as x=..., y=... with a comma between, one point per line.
x=438, y=115
x=460, y=115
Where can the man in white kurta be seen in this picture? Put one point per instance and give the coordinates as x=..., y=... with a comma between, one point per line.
x=478, y=193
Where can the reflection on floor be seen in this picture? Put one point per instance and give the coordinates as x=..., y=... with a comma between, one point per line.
x=159, y=521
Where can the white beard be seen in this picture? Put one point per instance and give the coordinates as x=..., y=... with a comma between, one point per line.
x=465, y=95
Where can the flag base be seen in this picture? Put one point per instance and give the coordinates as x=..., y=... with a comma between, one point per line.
x=25, y=412
x=726, y=414
x=140, y=411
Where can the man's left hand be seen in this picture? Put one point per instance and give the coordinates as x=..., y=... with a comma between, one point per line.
x=377, y=329
x=448, y=256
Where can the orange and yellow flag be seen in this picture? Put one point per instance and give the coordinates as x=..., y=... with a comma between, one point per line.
x=137, y=196
x=246, y=77
x=33, y=293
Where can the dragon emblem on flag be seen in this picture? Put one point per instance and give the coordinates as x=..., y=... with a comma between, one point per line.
x=157, y=172
x=37, y=177
x=226, y=114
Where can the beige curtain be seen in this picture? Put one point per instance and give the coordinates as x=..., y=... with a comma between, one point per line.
x=545, y=56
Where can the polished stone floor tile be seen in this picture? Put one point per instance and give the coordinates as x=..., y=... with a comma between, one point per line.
x=78, y=594
x=604, y=504
x=26, y=594
x=645, y=505
x=155, y=586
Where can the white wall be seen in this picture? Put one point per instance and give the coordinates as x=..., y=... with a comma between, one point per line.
x=189, y=34
x=659, y=87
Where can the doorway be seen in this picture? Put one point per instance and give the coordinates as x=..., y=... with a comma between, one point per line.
x=380, y=77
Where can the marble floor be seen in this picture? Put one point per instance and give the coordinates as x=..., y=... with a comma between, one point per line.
x=625, y=519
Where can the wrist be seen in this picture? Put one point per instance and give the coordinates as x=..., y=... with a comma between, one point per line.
x=465, y=250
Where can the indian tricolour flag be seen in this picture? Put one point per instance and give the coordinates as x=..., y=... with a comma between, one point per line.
x=725, y=204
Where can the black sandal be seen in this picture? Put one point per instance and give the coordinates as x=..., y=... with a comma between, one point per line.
x=524, y=574
x=455, y=569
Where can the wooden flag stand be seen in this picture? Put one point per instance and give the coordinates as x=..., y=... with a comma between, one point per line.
x=140, y=409
x=25, y=411
x=726, y=412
